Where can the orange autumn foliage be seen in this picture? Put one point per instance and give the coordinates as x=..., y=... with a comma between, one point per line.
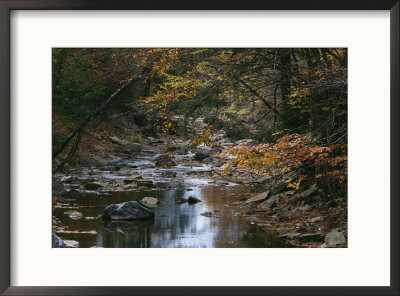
x=288, y=153
x=206, y=137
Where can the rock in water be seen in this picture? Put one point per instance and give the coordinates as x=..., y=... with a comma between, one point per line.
x=199, y=156
x=193, y=200
x=130, y=210
x=92, y=186
x=168, y=174
x=74, y=215
x=71, y=244
x=58, y=188
x=145, y=183
x=116, y=162
x=125, y=170
x=180, y=200
x=258, y=198
x=132, y=178
x=150, y=201
x=74, y=193
x=56, y=241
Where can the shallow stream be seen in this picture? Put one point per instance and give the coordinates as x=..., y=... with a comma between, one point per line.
x=174, y=225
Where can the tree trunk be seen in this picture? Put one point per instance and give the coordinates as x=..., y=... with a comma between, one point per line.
x=88, y=118
x=285, y=72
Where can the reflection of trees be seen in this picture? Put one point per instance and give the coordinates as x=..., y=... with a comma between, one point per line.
x=232, y=231
x=174, y=225
x=227, y=226
x=127, y=227
x=174, y=222
x=135, y=233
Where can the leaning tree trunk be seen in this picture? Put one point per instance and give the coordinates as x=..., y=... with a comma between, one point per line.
x=88, y=118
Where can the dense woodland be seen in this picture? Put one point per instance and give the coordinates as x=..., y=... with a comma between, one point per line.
x=284, y=108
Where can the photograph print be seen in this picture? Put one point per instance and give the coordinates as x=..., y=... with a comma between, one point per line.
x=199, y=148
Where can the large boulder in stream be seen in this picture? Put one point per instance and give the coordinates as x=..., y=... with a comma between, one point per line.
x=130, y=210
x=56, y=241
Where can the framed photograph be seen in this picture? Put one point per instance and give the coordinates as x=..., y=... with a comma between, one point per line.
x=168, y=148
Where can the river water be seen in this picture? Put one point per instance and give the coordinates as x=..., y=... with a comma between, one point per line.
x=174, y=225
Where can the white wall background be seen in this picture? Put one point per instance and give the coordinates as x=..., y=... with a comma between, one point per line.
x=364, y=262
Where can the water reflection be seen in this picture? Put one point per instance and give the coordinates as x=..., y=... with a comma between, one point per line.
x=174, y=225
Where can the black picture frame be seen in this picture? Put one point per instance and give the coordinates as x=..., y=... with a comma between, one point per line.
x=7, y=6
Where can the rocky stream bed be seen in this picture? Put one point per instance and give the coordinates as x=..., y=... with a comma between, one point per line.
x=193, y=204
